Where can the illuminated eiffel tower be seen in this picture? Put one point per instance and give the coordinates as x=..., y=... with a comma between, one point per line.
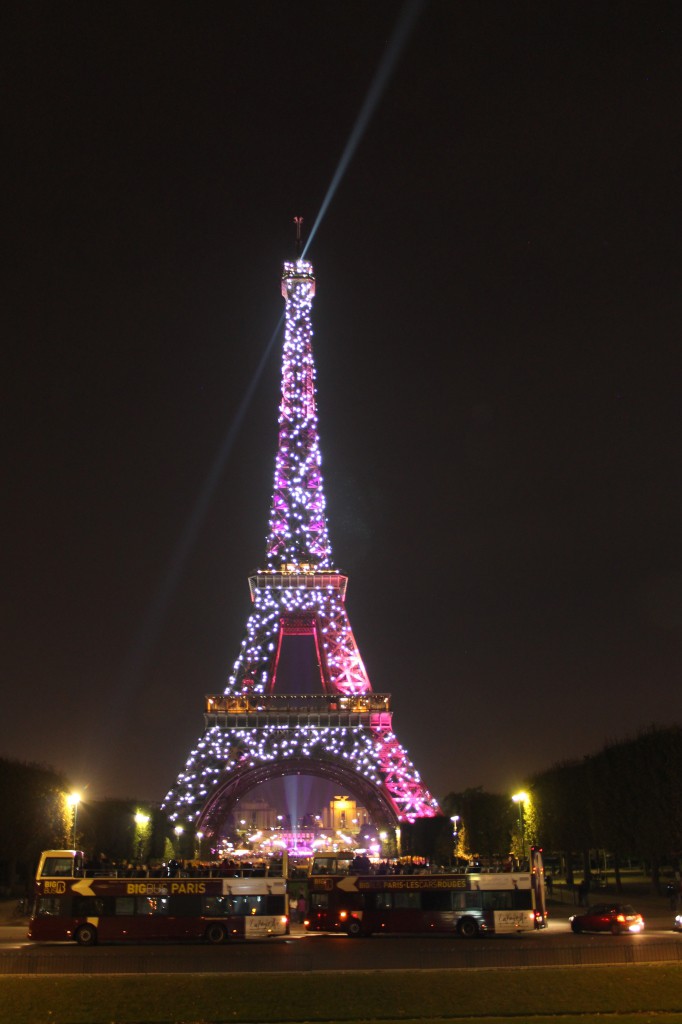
x=340, y=730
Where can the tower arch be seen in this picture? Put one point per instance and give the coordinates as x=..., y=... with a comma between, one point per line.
x=235, y=785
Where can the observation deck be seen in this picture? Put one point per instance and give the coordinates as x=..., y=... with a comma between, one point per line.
x=296, y=273
x=257, y=711
x=298, y=577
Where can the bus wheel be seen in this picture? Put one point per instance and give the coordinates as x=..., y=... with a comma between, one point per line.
x=215, y=934
x=468, y=928
x=86, y=935
x=354, y=929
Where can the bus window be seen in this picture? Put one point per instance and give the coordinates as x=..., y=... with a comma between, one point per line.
x=87, y=906
x=506, y=899
x=155, y=905
x=215, y=906
x=322, y=866
x=125, y=906
x=49, y=906
x=248, y=905
x=497, y=900
x=522, y=899
x=331, y=864
x=437, y=900
x=57, y=867
x=319, y=900
x=409, y=900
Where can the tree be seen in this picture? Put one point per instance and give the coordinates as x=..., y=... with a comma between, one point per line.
x=624, y=799
x=489, y=820
x=33, y=817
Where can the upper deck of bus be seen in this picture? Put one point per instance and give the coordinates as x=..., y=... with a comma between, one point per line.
x=60, y=871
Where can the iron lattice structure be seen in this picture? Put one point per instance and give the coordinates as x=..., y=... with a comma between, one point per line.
x=253, y=731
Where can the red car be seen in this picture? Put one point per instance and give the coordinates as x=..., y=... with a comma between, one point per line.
x=608, y=917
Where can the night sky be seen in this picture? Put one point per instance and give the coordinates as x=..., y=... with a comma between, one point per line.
x=497, y=325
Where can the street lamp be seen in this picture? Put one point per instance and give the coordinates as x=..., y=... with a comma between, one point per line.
x=455, y=834
x=73, y=799
x=141, y=822
x=520, y=799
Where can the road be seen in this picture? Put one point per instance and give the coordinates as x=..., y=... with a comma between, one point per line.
x=555, y=946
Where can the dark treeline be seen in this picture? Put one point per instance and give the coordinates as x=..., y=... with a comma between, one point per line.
x=35, y=815
x=625, y=799
x=32, y=817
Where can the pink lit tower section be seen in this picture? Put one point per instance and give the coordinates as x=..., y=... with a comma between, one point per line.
x=258, y=728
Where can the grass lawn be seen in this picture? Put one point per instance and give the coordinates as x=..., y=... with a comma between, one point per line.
x=635, y=993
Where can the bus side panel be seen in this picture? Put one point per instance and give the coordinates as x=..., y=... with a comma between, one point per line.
x=50, y=922
x=261, y=926
x=46, y=929
x=505, y=921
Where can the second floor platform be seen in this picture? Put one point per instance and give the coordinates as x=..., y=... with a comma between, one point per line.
x=255, y=710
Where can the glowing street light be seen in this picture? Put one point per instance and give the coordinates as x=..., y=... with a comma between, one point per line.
x=520, y=799
x=73, y=800
x=141, y=821
x=455, y=819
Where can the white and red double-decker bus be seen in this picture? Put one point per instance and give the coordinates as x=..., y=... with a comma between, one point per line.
x=458, y=904
x=70, y=904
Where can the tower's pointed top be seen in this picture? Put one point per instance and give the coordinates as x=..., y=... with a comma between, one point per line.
x=298, y=221
x=298, y=524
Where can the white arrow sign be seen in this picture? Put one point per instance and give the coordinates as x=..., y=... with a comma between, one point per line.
x=348, y=884
x=83, y=888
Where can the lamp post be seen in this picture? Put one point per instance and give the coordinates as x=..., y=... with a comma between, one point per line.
x=520, y=799
x=141, y=822
x=73, y=799
x=455, y=832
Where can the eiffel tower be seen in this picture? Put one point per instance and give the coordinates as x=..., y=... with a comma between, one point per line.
x=340, y=730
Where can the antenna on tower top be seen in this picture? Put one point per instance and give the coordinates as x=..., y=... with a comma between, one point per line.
x=298, y=221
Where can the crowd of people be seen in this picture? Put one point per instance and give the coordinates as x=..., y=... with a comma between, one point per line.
x=227, y=868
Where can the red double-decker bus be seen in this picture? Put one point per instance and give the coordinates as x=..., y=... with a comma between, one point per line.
x=70, y=904
x=464, y=904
